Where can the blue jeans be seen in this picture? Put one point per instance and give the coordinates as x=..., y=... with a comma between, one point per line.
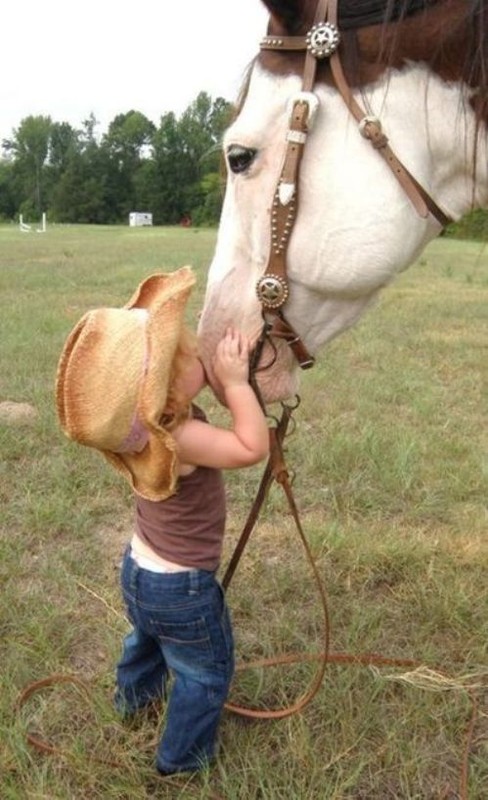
x=181, y=627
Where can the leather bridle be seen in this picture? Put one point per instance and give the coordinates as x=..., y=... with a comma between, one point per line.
x=322, y=41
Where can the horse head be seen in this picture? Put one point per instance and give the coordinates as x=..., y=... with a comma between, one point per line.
x=418, y=68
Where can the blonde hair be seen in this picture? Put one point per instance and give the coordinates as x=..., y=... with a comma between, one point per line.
x=177, y=403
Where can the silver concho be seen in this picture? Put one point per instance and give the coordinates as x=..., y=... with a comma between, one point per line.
x=272, y=291
x=323, y=39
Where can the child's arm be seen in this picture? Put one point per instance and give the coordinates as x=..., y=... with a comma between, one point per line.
x=248, y=441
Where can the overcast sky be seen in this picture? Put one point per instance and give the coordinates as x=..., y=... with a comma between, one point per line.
x=66, y=59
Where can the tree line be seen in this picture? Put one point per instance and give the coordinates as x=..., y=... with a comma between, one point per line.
x=172, y=170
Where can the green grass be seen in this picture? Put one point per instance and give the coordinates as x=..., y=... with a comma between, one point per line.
x=390, y=460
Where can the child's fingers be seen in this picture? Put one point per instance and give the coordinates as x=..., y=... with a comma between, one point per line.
x=234, y=344
x=245, y=346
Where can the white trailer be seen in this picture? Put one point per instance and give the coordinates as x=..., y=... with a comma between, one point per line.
x=138, y=218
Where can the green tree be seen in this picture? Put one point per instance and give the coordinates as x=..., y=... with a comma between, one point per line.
x=30, y=148
x=472, y=226
x=211, y=192
x=80, y=193
x=129, y=134
x=126, y=145
x=186, y=153
x=172, y=170
x=201, y=129
x=63, y=144
x=7, y=202
x=167, y=178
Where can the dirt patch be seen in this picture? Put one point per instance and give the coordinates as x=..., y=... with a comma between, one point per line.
x=18, y=413
x=114, y=539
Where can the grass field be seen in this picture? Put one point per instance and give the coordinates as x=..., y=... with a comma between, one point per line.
x=390, y=455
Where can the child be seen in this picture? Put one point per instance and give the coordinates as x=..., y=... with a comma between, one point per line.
x=180, y=621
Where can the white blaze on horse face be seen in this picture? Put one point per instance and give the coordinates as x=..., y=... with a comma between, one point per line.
x=355, y=227
x=243, y=238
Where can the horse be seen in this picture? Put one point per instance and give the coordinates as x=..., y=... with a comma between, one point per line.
x=360, y=133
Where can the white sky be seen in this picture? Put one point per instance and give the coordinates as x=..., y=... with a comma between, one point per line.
x=67, y=59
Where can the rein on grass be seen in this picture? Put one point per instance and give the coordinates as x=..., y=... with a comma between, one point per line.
x=275, y=470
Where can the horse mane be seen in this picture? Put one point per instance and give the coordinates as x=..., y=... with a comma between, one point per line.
x=459, y=34
x=360, y=13
x=450, y=35
x=296, y=15
x=458, y=40
x=475, y=69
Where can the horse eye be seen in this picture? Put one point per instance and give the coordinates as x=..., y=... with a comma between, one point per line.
x=240, y=158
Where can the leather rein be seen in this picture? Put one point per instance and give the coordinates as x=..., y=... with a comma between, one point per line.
x=322, y=41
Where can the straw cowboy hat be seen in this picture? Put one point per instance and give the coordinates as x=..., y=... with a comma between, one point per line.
x=112, y=381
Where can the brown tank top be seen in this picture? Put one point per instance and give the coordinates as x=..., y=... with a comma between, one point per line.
x=188, y=527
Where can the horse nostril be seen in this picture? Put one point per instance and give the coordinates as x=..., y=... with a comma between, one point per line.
x=240, y=158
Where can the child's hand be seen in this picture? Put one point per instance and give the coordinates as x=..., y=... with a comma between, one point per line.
x=231, y=362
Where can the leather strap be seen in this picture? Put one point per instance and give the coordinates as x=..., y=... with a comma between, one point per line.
x=281, y=329
x=283, y=43
x=371, y=130
x=276, y=470
x=285, y=203
x=370, y=127
x=276, y=436
x=310, y=66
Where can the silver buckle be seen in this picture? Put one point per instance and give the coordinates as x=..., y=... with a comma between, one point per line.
x=367, y=120
x=312, y=102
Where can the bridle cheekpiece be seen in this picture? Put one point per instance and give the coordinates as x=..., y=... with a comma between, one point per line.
x=322, y=41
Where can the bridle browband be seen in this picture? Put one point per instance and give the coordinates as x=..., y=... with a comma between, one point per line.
x=322, y=41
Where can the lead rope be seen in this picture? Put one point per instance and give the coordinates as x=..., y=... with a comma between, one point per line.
x=276, y=470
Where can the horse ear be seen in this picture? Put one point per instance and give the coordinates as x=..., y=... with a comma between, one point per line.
x=286, y=14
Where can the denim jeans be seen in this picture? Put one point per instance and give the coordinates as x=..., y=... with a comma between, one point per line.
x=181, y=627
